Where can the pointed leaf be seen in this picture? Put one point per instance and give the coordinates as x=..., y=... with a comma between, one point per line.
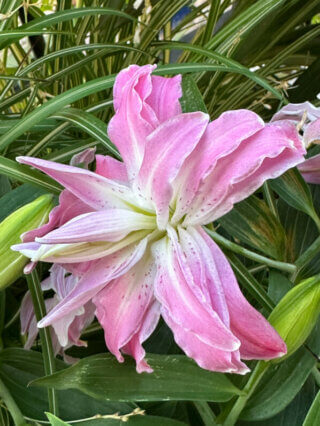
x=293, y=189
x=18, y=367
x=313, y=417
x=175, y=377
x=252, y=222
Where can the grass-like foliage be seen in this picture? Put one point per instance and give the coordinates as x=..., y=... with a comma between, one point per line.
x=58, y=63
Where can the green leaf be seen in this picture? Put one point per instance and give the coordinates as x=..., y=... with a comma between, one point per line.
x=279, y=285
x=252, y=222
x=301, y=232
x=54, y=421
x=17, y=198
x=294, y=413
x=8, y=36
x=280, y=384
x=46, y=21
x=230, y=64
x=18, y=367
x=92, y=125
x=5, y=186
x=175, y=377
x=55, y=105
x=296, y=314
x=191, y=99
x=293, y=189
x=313, y=416
x=85, y=89
x=25, y=174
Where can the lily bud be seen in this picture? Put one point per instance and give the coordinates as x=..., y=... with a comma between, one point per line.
x=296, y=314
x=27, y=217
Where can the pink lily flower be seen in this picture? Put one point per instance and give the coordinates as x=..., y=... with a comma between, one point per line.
x=306, y=117
x=66, y=331
x=143, y=244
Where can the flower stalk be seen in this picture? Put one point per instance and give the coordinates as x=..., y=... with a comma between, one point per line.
x=45, y=337
x=282, y=266
x=249, y=388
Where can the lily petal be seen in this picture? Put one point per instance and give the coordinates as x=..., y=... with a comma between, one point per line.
x=180, y=299
x=133, y=121
x=103, y=225
x=310, y=169
x=259, y=340
x=265, y=155
x=123, y=304
x=295, y=112
x=97, y=277
x=93, y=189
x=111, y=168
x=205, y=355
x=167, y=148
x=221, y=137
x=134, y=346
x=164, y=97
x=69, y=207
x=312, y=132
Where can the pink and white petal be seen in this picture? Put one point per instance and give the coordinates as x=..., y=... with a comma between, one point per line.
x=221, y=137
x=26, y=312
x=312, y=133
x=32, y=333
x=134, y=346
x=69, y=207
x=104, y=225
x=310, y=169
x=62, y=325
x=83, y=253
x=259, y=340
x=80, y=323
x=295, y=112
x=165, y=95
x=167, y=148
x=79, y=269
x=84, y=157
x=134, y=119
x=111, y=168
x=32, y=250
x=122, y=305
x=95, y=279
x=206, y=356
x=265, y=155
x=194, y=248
x=179, y=298
x=93, y=189
x=29, y=267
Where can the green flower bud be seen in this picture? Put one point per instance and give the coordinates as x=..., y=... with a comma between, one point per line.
x=296, y=314
x=28, y=217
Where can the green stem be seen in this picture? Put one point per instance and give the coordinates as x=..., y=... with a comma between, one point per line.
x=282, y=266
x=11, y=405
x=45, y=337
x=207, y=415
x=249, y=388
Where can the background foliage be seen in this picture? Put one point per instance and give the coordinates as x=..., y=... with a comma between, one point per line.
x=57, y=66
